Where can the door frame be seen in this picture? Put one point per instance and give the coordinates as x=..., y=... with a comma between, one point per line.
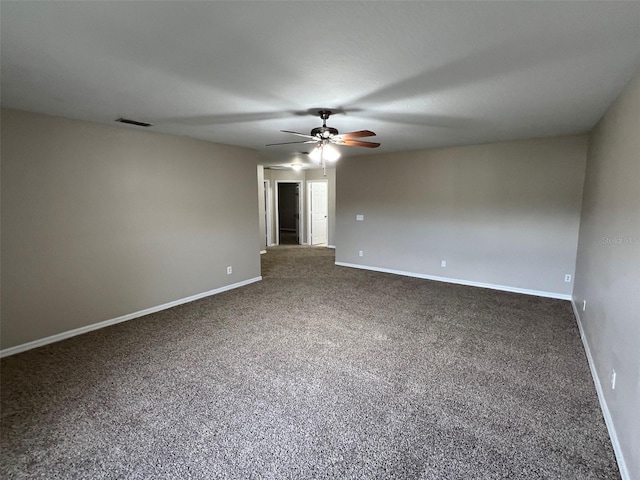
x=309, y=218
x=300, y=184
x=267, y=208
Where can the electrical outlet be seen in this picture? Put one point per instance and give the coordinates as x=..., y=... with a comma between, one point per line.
x=567, y=278
x=359, y=217
x=613, y=379
x=229, y=270
x=443, y=263
x=360, y=253
x=584, y=305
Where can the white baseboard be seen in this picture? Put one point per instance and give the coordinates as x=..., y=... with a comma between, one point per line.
x=504, y=288
x=262, y=252
x=624, y=472
x=95, y=326
x=331, y=246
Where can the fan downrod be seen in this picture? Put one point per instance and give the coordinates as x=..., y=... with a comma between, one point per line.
x=324, y=132
x=324, y=115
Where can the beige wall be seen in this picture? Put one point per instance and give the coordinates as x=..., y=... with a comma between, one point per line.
x=608, y=265
x=100, y=222
x=500, y=214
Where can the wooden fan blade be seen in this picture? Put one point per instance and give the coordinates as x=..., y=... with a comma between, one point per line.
x=289, y=143
x=296, y=133
x=358, y=134
x=357, y=143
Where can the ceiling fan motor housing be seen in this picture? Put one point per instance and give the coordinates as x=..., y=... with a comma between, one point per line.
x=323, y=132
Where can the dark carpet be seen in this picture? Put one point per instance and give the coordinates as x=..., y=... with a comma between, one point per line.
x=320, y=372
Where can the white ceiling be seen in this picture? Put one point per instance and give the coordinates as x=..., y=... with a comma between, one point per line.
x=420, y=74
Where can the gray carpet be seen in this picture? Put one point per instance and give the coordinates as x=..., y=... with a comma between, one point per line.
x=320, y=372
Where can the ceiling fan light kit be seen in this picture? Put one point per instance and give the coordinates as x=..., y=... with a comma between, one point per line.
x=326, y=137
x=324, y=151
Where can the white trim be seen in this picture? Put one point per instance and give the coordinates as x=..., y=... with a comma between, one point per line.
x=106, y=323
x=331, y=246
x=624, y=472
x=272, y=245
x=300, y=209
x=266, y=184
x=262, y=252
x=504, y=288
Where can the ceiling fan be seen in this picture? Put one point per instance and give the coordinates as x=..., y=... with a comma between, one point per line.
x=324, y=136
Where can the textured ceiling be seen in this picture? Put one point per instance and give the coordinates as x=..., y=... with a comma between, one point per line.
x=420, y=74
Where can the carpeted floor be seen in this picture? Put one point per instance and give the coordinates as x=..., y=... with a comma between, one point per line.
x=320, y=372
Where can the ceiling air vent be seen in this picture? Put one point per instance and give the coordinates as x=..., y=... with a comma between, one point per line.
x=134, y=122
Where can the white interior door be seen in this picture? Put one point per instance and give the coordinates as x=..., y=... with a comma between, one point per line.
x=319, y=206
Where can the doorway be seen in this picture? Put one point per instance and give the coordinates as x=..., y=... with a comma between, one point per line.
x=288, y=210
x=318, y=202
